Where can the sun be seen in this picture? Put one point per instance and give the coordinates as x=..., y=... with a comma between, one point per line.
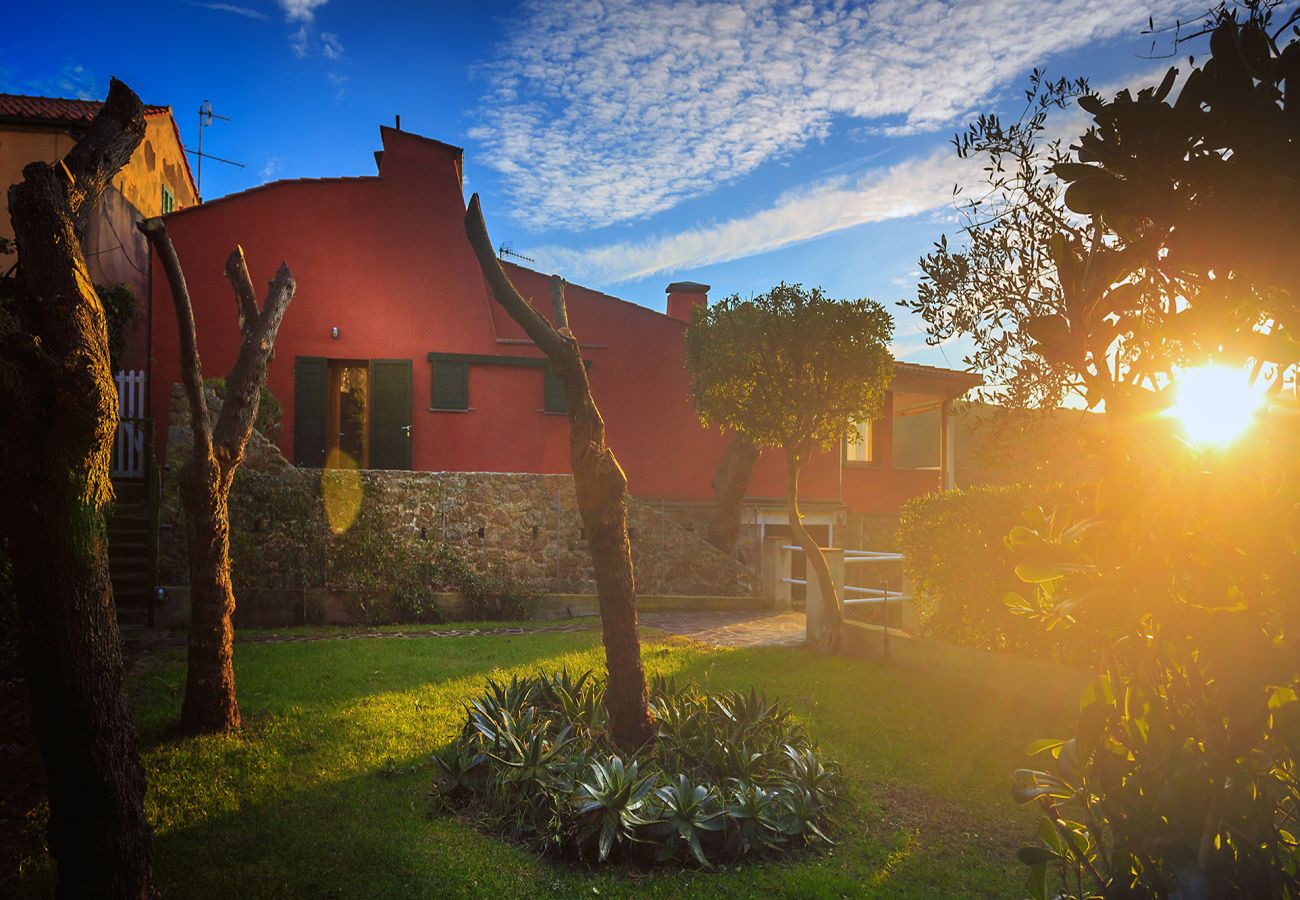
x=1214, y=405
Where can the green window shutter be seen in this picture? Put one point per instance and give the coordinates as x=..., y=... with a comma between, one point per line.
x=450, y=385
x=168, y=200
x=390, y=414
x=310, y=385
x=554, y=400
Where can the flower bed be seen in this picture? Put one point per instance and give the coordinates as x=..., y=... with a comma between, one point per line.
x=731, y=775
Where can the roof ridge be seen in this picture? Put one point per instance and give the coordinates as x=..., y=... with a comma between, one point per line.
x=270, y=184
x=592, y=290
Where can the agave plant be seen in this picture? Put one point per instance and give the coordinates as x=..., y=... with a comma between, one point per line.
x=532, y=757
x=610, y=801
x=809, y=775
x=730, y=774
x=457, y=765
x=736, y=760
x=800, y=815
x=580, y=701
x=685, y=814
x=754, y=816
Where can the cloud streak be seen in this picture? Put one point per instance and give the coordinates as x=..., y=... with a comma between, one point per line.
x=917, y=185
x=607, y=111
x=899, y=191
x=245, y=11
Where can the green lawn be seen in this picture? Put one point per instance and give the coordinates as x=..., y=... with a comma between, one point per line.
x=324, y=794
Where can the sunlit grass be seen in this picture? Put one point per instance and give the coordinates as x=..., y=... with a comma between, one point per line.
x=324, y=791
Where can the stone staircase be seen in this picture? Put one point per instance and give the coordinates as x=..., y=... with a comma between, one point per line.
x=131, y=552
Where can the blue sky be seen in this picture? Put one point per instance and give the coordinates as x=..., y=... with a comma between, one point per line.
x=622, y=144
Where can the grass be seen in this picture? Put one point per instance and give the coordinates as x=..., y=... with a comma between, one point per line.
x=324, y=792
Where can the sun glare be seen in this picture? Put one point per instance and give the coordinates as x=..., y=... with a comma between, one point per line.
x=1214, y=405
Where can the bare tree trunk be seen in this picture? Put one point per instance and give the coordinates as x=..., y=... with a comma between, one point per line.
x=730, y=483
x=58, y=412
x=601, y=487
x=207, y=476
x=833, y=615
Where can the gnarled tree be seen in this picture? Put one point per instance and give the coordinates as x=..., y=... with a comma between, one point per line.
x=58, y=412
x=601, y=487
x=793, y=369
x=207, y=476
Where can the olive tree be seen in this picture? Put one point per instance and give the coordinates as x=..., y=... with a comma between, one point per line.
x=794, y=369
x=207, y=476
x=599, y=483
x=1161, y=239
x=58, y=411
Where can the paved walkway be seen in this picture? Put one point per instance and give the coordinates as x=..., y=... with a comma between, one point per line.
x=741, y=628
x=738, y=628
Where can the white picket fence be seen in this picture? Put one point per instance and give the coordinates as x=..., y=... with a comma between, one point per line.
x=129, y=443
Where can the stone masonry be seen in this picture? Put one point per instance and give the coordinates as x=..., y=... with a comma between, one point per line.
x=302, y=529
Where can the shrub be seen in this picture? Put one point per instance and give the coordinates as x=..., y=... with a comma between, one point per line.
x=955, y=553
x=730, y=775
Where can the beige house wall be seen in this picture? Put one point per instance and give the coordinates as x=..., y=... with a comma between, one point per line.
x=160, y=160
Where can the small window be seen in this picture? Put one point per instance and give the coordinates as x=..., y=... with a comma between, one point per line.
x=450, y=385
x=168, y=200
x=858, y=449
x=554, y=400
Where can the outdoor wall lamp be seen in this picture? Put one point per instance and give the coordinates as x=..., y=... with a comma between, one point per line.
x=334, y=332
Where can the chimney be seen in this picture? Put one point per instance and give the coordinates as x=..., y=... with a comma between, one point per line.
x=684, y=296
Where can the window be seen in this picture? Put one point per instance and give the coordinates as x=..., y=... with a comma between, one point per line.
x=168, y=200
x=450, y=385
x=553, y=399
x=858, y=450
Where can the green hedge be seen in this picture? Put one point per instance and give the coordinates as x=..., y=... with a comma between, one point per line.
x=961, y=570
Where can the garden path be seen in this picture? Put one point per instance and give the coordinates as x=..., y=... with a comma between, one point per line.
x=720, y=628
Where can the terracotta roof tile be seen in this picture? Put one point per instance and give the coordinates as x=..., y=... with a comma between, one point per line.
x=58, y=109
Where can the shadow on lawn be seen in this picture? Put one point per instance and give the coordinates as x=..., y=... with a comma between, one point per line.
x=325, y=792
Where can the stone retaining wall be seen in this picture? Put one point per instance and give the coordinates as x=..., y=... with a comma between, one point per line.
x=298, y=529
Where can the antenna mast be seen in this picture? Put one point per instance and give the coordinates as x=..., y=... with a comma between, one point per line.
x=206, y=115
x=507, y=250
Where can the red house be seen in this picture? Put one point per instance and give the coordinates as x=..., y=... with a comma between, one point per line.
x=394, y=355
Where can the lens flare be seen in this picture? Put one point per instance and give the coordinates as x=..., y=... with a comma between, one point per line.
x=1214, y=405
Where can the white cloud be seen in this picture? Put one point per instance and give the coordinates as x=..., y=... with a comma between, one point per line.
x=604, y=111
x=301, y=10
x=298, y=42
x=905, y=189
x=339, y=85
x=245, y=11
x=919, y=185
x=330, y=45
x=270, y=168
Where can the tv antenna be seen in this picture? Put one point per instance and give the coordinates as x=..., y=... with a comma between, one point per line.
x=206, y=115
x=506, y=250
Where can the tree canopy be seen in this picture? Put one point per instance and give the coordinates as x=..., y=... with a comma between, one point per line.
x=790, y=367
x=1160, y=241
x=1162, y=238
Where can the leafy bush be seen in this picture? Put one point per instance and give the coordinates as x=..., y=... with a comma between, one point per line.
x=955, y=553
x=120, y=306
x=730, y=775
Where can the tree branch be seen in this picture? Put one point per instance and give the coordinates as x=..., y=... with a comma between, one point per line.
x=244, y=386
x=191, y=367
x=245, y=297
x=557, y=303
x=547, y=339
x=108, y=146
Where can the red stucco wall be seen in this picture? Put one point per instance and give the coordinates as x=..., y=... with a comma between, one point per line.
x=385, y=259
